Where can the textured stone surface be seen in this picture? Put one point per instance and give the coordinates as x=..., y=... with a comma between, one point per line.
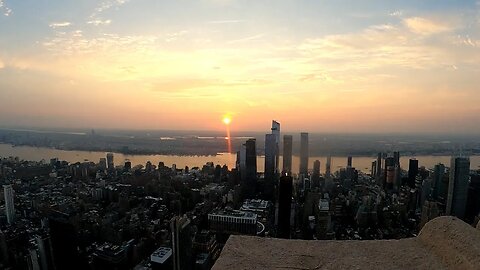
x=444, y=243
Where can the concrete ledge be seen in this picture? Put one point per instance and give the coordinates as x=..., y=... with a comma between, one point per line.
x=455, y=242
x=444, y=243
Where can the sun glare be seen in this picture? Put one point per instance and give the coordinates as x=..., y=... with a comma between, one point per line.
x=227, y=120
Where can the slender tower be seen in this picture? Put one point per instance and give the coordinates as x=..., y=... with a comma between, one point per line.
x=276, y=133
x=304, y=153
x=9, y=204
x=287, y=154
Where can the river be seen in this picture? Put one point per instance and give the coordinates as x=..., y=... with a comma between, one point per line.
x=361, y=163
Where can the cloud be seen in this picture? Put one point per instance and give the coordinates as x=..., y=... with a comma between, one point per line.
x=59, y=24
x=425, y=26
x=4, y=9
x=2, y=65
x=389, y=45
x=108, y=4
x=99, y=22
x=95, y=17
x=396, y=13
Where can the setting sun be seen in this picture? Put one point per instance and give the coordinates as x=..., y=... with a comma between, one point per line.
x=227, y=120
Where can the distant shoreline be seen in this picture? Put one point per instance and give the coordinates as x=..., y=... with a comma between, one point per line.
x=150, y=153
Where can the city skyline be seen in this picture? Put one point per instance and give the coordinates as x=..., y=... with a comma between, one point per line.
x=348, y=66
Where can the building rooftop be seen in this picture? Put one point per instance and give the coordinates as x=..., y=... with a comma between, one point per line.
x=161, y=255
x=233, y=213
x=444, y=243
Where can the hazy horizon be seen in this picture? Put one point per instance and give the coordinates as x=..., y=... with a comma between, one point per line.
x=319, y=66
x=234, y=133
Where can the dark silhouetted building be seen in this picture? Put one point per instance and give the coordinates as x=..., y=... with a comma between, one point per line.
x=412, y=172
x=64, y=241
x=389, y=175
x=458, y=187
x=396, y=157
x=110, y=164
x=316, y=174
x=473, y=201
x=181, y=243
x=287, y=153
x=440, y=188
x=250, y=180
x=271, y=148
x=128, y=166
x=9, y=204
x=284, y=206
x=328, y=167
x=276, y=133
x=379, y=166
x=45, y=253
x=304, y=153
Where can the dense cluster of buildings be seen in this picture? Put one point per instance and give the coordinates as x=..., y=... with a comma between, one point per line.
x=87, y=215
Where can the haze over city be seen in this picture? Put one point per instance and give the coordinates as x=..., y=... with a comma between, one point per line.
x=329, y=66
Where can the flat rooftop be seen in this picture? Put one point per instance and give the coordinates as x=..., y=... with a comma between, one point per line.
x=233, y=213
x=444, y=243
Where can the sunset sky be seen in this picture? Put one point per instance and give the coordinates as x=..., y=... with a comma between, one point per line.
x=331, y=65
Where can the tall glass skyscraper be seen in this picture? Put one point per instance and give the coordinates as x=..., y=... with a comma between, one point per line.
x=304, y=153
x=458, y=186
x=9, y=204
x=287, y=154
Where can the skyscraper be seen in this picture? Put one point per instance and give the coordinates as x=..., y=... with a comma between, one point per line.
x=44, y=251
x=316, y=167
x=276, y=133
x=110, y=164
x=389, y=174
x=287, y=153
x=328, y=167
x=304, y=153
x=9, y=204
x=438, y=186
x=396, y=157
x=181, y=243
x=250, y=180
x=284, y=208
x=412, y=172
x=379, y=165
x=64, y=241
x=270, y=154
x=270, y=169
x=316, y=174
x=373, y=170
x=458, y=187
x=349, y=161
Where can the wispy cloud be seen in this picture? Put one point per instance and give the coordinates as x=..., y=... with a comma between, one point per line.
x=96, y=17
x=426, y=26
x=388, y=45
x=108, y=4
x=396, y=13
x=59, y=24
x=4, y=9
x=99, y=22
